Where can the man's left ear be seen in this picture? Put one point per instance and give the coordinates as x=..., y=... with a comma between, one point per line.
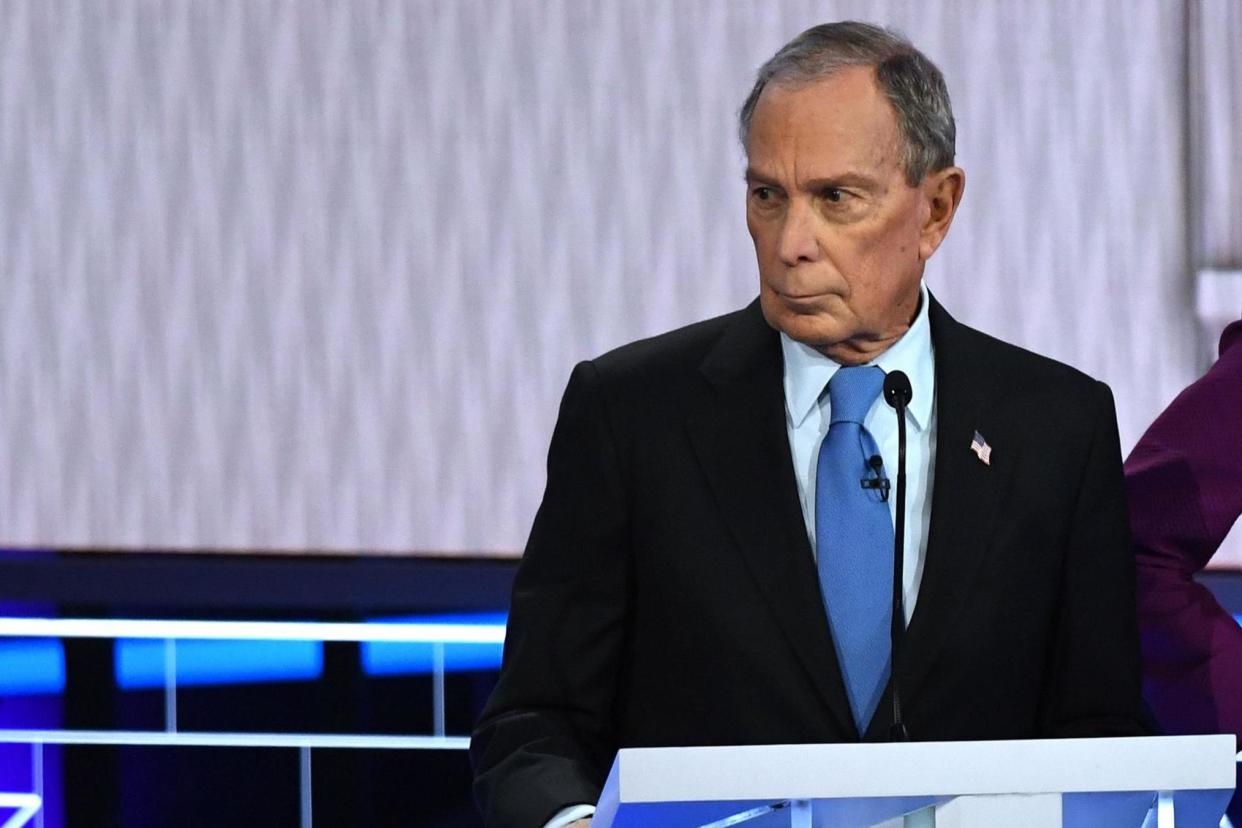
x=942, y=192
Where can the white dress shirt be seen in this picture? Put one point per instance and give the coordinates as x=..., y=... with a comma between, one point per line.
x=571, y=814
x=807, y=419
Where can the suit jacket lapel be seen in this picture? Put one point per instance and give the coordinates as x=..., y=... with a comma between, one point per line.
x=965, y=496
x=741, y=441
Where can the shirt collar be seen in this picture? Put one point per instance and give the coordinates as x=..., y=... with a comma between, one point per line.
x=807, y=371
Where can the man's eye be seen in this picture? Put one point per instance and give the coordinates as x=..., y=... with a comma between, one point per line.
x=764, y=193
x=834, y=194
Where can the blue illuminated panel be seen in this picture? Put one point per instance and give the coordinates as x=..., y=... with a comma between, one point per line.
x=37, y=666
x=383, y=658
x=140, y=662
x=31, y=667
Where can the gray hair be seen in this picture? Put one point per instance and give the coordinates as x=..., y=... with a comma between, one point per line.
x=913, y=84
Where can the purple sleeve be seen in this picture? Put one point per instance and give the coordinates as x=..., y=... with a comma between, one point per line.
x=1184, y=481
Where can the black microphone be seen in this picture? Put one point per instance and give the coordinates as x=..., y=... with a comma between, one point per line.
x=897, y=393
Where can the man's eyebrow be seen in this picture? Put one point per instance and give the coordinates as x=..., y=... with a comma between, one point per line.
x=848, y=179
x=755, y=177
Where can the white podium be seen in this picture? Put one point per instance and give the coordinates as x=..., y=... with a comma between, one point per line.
x=1084, y=783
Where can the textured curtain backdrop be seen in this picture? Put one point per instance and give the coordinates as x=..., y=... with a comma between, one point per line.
x=1217, y=132
x=312, y=275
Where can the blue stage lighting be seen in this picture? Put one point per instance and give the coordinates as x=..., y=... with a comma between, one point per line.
x=31, y=667
x=140, y=662
x=383, y=658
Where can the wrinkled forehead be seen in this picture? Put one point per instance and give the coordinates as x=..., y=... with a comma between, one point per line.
x=841, y=120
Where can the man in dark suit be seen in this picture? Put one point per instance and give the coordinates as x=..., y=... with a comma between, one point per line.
x=709, y=565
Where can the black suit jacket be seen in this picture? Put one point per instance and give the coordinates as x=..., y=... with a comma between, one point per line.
x=668, y=594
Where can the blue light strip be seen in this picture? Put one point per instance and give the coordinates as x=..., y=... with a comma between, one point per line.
x=114, y=628
x=205, y=656
x=385, y=658
x=31, y=667
x=140, y=662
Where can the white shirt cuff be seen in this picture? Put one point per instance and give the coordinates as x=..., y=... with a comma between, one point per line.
x=570, y=814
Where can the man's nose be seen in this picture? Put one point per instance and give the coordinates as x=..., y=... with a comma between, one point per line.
x=797, y=241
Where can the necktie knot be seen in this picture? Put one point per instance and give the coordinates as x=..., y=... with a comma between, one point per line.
x=852, y=391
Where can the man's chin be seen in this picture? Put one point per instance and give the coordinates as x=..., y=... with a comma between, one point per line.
x=816, y=330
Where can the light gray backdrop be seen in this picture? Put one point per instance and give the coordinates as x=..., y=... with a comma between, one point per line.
x=312, y=275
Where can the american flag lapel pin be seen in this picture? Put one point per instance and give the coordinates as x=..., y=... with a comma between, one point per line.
x=981, y=449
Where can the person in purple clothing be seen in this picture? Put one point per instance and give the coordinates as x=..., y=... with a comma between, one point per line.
x=1184, y=480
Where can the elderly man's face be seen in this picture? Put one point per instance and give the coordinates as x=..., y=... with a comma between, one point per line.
x=840, y=236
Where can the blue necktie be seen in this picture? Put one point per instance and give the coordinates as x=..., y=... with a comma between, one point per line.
x=854, y=542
